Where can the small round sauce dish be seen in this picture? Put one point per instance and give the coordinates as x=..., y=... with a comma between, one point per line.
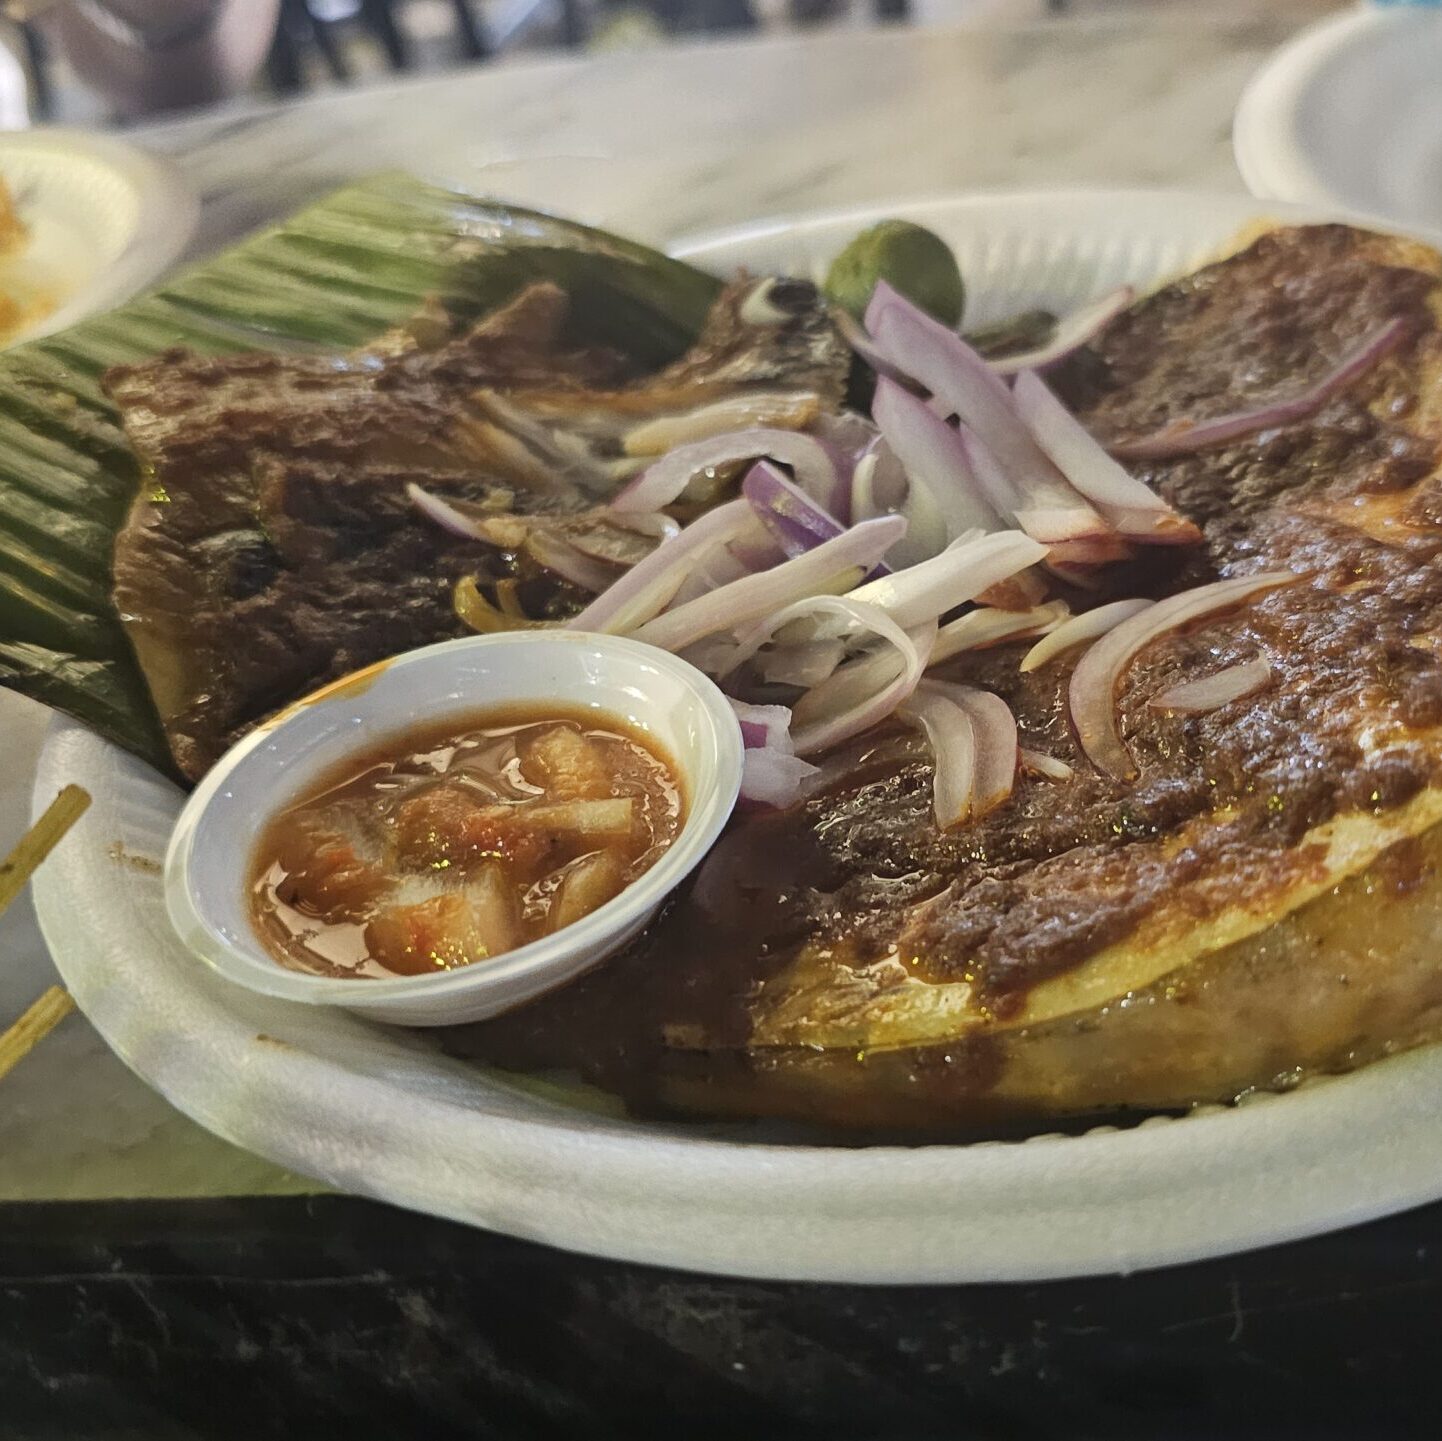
x=660, y=700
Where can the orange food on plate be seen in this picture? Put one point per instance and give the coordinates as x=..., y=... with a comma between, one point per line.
x=454, y=845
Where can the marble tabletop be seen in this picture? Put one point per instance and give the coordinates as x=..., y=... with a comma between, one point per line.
x=661, y=144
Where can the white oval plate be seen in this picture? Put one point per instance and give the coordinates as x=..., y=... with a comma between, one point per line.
x=378, y=1112
x=1349, y=113
x=104, y=220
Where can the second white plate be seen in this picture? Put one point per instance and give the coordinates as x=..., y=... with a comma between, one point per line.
x=105, y=219
x=1349, y=113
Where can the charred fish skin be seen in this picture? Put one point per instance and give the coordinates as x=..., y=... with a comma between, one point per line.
x=1097, y=946
x=272, y=547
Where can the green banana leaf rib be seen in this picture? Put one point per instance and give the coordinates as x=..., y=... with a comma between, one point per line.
x=335, y=275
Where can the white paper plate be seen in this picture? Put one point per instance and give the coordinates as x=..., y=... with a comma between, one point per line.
x=104, y=220
x=378, y=1112
x=1349, y=113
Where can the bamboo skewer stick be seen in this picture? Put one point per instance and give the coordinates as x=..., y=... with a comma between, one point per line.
x=39, y=841
x=55, y=1004
x=32, y=1027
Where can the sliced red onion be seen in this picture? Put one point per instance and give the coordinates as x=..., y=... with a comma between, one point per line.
x=1071, y=333
x=1212, y=692
x=951, y=738
x=863, y=692
x=988, y=626
x=804, y=665
x=812, y=620
x=934, y=461
x=770, y=778
x=1045, y=765
x=1088, y=626
x=763, y=725
x=1040, y=501
x=878, y=484
x=1020, y=481
x=995, y=737
x=645, y=589
x=712, y=568
x=1185, y=436
x=647, y=522
x=853, y=552
x=959, y=574
x=772, y=774
x=569, y=563
x=1092, y=694
x=925, y=350
x=797, y=522
x=1131, y=506
x=747, y=410
x=444, y=514
x=844, y=430
x=661, y=484
x=854, y=334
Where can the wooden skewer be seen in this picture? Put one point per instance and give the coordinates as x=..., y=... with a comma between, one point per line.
x=33, y=1027
x=39, y=841
x=52, y=1007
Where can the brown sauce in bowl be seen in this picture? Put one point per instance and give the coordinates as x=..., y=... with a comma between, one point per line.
x=453, y=844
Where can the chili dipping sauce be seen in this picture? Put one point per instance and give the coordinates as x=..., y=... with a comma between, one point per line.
x=447, y=846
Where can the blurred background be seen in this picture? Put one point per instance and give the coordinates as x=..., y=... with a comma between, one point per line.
x=119, y=62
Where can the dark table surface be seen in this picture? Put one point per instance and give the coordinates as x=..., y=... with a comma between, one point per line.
x=317, y=1316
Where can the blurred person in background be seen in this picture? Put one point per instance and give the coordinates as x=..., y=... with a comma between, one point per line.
x=148, y=55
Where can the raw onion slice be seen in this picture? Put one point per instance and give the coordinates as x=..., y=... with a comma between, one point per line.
x=712, y=568
x=1089, y=625
x=1039, y=501
x=804, y=665
x=856, y=336
x=771, y=778
x=993, y=752
x=951, y=738
x=933, y=459
x=834, y=565
x=844, y=430
x=1212, y=692
x=863, y=692
x=570, y=564
x=997, y=748
x=1128, y=504
x=661, y=484
x=959, y=574
x=782, y=409
x=797, y=522
x=1071, y=333
x=1045, y=765
x=878, y=485
x=1092, y=693
x=988, y=626
x=646, y=589
x=1020, y=480
x=772, y=773
x=444, y=514
x=1184, y=437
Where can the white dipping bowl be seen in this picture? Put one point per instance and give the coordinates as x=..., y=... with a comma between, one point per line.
x=208, y=863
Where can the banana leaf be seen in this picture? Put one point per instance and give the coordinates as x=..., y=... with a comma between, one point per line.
x=335, y=275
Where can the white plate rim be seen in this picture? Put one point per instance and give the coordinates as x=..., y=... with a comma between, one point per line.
x=1159, y=1193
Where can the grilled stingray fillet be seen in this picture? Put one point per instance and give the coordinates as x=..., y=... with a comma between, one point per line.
x=1263, y=901
x=273, y=547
